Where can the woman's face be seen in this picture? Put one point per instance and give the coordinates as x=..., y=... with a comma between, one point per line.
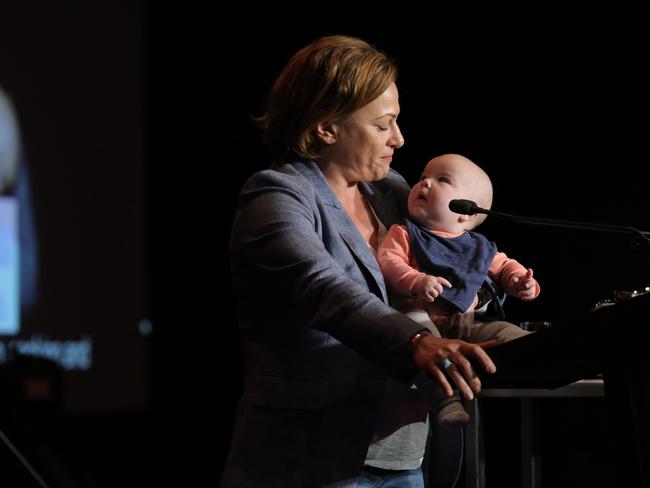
x=366, y=139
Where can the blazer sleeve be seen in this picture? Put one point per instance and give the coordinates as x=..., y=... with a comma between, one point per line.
x=282, y=270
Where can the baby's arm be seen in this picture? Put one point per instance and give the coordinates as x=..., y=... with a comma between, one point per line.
x=401, y=276
x=429, y=287
x=525, y=285
x=514, y=278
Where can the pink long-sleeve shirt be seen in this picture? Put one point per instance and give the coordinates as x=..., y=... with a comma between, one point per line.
x=401, y=270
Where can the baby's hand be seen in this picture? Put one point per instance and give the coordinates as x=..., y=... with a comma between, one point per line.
x=525, y=285
x=429, y=287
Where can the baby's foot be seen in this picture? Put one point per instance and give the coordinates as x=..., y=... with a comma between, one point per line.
x=452, y=413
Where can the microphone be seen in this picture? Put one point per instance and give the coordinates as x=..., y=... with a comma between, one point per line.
x=465, y=207
x=468, y=207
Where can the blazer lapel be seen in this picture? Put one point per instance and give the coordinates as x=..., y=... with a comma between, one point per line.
x=360, y=248
x=348, y=231
x=383, y=202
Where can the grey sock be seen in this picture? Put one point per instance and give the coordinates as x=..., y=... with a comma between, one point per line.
x=452, y=413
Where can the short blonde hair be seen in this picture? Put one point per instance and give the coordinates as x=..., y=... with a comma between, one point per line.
x=326, y=80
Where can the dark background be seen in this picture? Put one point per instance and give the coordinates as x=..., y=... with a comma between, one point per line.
x=552, y=104
x=78, y=89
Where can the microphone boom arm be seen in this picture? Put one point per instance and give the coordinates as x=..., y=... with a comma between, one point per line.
x=468, y=207
x=642, y=237
x=569, y=224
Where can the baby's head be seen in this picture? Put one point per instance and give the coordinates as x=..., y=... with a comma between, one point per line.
x=445, y=178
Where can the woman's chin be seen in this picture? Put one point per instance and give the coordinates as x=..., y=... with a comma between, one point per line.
x=381, y=173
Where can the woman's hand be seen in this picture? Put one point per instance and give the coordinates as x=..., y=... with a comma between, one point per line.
x=430, y=354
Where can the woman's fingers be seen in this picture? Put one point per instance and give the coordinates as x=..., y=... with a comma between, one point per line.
x=463, y=367
x=487, y=344
x=478, y=351
x=463, y=373
x=440, y=377
x=448, y=360
x=463, y=387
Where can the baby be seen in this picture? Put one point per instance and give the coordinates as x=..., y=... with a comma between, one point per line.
x=441, y=268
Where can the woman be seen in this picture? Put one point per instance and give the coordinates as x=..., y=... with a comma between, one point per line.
x=320, y=340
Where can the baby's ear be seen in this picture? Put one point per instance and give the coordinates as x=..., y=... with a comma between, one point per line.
x=465, y=218
x=468, y=221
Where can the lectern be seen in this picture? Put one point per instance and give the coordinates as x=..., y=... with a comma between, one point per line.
x=563, y=361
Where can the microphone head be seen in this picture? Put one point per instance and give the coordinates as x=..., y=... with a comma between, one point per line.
x=464, y=207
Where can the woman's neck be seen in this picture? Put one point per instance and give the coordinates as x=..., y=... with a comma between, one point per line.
x=355, y=206
x=347, y=191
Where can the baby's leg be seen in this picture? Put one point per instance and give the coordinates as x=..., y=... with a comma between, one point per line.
x=449, y=410
x=422, y=318
x=500, y=330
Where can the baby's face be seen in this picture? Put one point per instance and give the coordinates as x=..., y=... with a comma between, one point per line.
x=444, y=179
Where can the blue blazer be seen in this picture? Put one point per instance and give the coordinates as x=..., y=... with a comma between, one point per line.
x=319, y=338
